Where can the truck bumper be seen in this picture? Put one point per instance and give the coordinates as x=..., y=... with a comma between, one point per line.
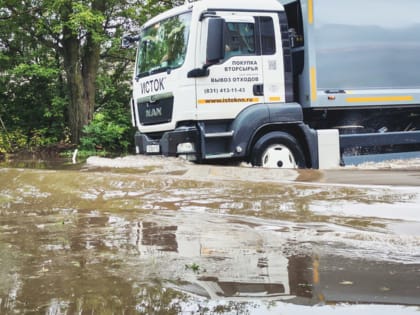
x=181, y=141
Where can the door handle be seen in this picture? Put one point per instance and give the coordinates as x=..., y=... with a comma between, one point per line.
x=258, y=89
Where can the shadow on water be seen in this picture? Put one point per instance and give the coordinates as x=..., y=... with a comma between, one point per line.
x=90, y=241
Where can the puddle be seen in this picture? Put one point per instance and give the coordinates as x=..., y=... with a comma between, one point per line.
x=170, y=237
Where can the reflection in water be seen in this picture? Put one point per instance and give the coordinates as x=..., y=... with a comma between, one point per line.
x=161, y=237
x=90, y=242
x=301, y=276
x=48, y=159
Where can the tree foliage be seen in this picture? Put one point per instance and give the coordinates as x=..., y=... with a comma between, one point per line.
x=60, y=65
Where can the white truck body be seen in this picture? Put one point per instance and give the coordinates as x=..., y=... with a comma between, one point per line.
x=258, y=81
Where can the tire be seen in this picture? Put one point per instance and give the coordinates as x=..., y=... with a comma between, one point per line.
x=278, y=150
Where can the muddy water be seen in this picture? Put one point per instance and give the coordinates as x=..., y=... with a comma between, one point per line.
x=162, y=236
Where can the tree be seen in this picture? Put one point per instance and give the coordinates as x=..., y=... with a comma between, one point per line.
x=83, y=28
x=75, y=42
x=32, y=99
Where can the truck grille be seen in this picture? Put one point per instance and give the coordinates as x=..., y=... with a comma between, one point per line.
x=157, y=112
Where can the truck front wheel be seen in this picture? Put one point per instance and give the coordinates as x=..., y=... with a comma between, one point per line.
x=277, y=150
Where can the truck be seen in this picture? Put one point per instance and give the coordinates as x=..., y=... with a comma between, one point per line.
x=278, y=83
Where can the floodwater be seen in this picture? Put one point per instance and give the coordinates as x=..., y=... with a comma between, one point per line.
x=147, y=235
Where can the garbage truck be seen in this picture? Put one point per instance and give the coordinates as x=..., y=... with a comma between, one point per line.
x=278, y=84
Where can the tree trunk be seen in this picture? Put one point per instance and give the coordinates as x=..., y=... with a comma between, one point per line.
x=81, y=62
x=90, y=64
x=71, y=56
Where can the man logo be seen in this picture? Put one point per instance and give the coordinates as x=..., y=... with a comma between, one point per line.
x=154, y=112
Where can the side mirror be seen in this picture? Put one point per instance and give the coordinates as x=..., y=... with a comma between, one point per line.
x=215, y=41
x=127, y=41
x=215, y=50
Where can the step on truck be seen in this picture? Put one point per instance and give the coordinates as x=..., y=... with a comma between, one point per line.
x=282, y=84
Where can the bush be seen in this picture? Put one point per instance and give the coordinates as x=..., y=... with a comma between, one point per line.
x=107, y=134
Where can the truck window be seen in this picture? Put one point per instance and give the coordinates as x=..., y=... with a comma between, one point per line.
x=239, y=39
x=163, y=45
x=268, y=41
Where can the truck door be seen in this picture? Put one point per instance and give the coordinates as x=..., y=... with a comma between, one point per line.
x=236, y=80
x=273, y=62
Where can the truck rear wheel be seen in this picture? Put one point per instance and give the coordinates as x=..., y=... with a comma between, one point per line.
x=277, y=150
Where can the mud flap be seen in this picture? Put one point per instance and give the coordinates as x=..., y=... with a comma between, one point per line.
x=328, y=148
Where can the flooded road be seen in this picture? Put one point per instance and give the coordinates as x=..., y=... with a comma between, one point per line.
x=162, y=236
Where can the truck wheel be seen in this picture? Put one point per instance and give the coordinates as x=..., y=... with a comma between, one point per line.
x=278, y=150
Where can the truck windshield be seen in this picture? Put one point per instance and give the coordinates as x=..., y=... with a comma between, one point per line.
x=163, y=46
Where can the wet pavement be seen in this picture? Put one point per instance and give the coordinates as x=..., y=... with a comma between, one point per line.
x=162, y=236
